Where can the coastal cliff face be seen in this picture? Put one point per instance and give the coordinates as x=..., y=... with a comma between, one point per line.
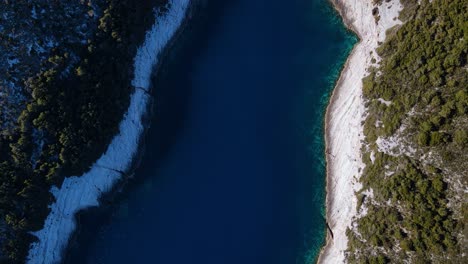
x=396, y=140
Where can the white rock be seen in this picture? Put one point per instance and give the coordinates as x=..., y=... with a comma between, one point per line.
x=345, y=113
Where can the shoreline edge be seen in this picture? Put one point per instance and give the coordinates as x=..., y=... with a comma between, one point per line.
x=120, y=159
x=344, y=115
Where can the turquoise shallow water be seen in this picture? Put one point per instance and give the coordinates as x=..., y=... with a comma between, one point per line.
x=234, y=168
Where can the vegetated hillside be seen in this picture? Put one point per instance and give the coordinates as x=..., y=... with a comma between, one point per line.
x=413, y=204
x=73, y=106
x=30, y=31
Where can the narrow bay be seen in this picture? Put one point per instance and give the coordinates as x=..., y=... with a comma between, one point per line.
x=233, y=170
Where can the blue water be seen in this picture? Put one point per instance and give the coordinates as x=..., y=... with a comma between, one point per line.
x=234, y=166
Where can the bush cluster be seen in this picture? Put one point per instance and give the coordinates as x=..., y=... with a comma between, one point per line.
x=423, y=75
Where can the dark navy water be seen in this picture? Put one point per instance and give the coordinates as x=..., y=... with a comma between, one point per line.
x=234, y=169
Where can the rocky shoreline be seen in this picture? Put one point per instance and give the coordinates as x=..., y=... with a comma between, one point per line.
x=54, y=238
x=108, y=199
x=345, y=114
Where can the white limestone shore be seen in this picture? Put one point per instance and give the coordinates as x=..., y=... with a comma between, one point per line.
x=345, y=113
x=78, y=193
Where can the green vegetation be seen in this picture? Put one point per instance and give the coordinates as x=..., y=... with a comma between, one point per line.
x=424, y=74
x=74, y=111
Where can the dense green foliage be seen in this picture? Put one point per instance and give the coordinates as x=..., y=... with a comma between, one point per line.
x=423, y=74
x=73, y=113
